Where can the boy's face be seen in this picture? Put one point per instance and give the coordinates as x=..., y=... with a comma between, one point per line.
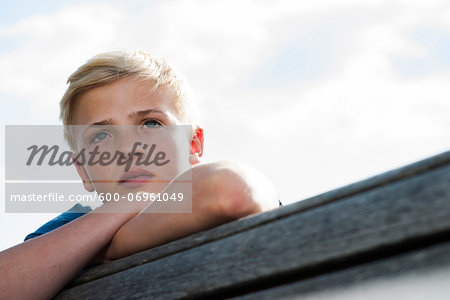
x=119, y=116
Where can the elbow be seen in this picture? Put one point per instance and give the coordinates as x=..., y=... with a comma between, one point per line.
x=238, y=191
x=234, y=196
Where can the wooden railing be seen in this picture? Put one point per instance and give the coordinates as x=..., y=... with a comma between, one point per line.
x=393, y=224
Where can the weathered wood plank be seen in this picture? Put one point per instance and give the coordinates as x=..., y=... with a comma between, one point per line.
x=257, y=220
x=400, y=208
x=423, y=261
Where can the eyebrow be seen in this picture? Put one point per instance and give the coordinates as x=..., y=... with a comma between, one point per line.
x=102, y=122
x=143, y=113
x=140, y=113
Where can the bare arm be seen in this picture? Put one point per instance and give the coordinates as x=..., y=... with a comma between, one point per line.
x=221, y=192
x=39, y=268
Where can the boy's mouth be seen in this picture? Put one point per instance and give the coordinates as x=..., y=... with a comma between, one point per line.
x=135, y=178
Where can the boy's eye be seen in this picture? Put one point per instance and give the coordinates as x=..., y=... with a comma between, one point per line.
x=152, y=123
x=99, y=136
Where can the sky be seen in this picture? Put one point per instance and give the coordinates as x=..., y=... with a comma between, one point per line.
x=314, y=94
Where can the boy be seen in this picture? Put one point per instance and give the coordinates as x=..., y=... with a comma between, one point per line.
x=129, y=89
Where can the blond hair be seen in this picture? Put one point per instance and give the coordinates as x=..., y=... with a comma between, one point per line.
x=107, y=67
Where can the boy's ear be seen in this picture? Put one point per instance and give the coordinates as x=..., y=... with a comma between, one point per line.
x=83, y=175
x=196, y=147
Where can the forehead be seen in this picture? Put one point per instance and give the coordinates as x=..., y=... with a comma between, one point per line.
x=121, y=99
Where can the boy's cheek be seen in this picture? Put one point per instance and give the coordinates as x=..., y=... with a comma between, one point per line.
x=101, y=177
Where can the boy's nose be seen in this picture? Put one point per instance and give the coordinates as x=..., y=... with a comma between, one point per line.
x=130, y=144
x=134, y=149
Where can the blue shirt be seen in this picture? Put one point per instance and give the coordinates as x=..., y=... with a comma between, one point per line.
x=75, y=212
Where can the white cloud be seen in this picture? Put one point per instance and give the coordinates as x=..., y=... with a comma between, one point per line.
x=50, y=47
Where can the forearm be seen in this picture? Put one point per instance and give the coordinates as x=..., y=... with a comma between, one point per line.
x=220, y=193
x=39, y=268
